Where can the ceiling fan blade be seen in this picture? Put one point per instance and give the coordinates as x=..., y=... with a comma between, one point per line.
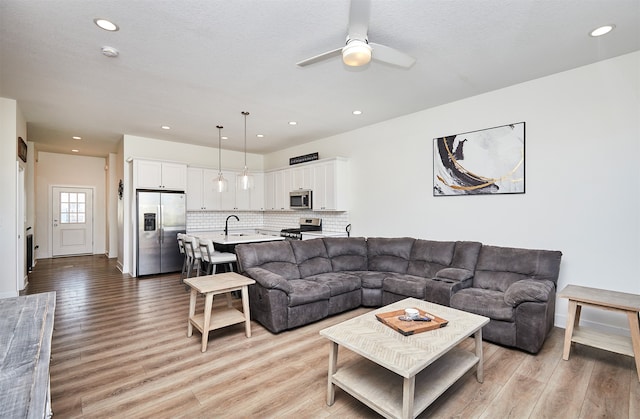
x=391, y=55
x=321, y=57
x=359, y=13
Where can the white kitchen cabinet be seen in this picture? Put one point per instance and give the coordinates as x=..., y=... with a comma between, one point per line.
x=330, y=185
x=301, y=177
x=201, y=192
x=277, y=185
x=270, y=191
x=282, y=188
x=257, y=198
x=238, y=199
x=149, y=174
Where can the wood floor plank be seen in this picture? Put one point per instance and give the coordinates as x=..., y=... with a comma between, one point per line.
x=120, y=349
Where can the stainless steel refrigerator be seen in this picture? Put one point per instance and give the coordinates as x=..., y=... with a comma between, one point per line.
x=161, y=216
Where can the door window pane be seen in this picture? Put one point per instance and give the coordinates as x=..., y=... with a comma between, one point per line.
x=72, y=208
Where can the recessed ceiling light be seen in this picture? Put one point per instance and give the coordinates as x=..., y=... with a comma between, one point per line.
x=75, y=137
x=224, y=138
x=106, y=24
x=357, y=112
x=75, y=151
x=165, y=127
x=293, y=123
x=602, y=30
x=110, y=52
x=260, y=136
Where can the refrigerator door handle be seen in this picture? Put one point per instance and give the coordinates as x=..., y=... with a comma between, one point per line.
x=160, y=224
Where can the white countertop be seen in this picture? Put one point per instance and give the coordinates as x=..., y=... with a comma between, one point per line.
x=234, y=238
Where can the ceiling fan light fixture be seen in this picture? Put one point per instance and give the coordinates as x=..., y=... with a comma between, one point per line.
x=356, y=53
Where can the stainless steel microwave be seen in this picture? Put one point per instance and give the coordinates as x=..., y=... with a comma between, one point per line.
x=300, y=199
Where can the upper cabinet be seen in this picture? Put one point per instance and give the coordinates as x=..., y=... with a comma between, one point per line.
x=327, y=179
x=301, y=177
x=201, y=193
x=149, y=174
x=330, y=185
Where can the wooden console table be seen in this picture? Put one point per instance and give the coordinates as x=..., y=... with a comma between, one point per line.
x=606, y=300
x=26, y=328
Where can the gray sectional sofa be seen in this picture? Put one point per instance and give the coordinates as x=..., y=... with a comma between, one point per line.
x=299, y=282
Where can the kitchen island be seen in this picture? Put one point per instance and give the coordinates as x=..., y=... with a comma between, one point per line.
x=227, y=243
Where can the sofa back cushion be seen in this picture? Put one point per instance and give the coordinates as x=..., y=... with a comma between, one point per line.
x=466, y=255
x=347, y=253
x=275, y=256
x=428, y=257
x=499, y=267
x=311, y=256
x=389, y=254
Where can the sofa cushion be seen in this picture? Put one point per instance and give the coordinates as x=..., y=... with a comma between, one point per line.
x=528, y=290
x=466, y=255
x=338, y=282
x=371, y=279
x=268, y=279
x=389, y=254
x=454, y=274
x=275, y=256
x=347, y=254
x=304, y=292
x=311, y=256
x=487, y=303
x=428, y=257
x=499, y=267
x=406, y=285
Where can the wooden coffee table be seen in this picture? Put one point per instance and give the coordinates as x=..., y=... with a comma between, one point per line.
x=400, y=376
x=211, y=285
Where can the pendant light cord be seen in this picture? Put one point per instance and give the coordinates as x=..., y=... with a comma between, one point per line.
x=245, y=113
x=219, y=148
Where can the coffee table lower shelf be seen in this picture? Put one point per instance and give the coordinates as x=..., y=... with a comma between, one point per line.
x=382, y=389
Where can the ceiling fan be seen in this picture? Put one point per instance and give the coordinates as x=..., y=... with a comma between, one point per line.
x=358, y=51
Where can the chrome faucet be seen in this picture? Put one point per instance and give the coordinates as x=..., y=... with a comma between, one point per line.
x=226, y=224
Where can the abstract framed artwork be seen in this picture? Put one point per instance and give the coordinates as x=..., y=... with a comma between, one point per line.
x=484, y=162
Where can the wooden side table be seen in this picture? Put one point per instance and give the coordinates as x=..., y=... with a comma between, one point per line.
x=606, y=300
x=211, y=285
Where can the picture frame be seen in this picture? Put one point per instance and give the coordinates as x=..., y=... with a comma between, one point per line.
x=490, y=161
x=22, y=149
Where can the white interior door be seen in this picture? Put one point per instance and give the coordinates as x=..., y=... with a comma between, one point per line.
x=72, y=221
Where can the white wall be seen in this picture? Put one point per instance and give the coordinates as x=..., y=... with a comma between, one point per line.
x=12, y=126
x=582, y=176
x=54, y=169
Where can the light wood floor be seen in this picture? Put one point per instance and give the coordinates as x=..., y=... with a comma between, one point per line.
x=120, y=349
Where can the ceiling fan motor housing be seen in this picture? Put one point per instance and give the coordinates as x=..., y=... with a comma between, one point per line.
x=356, y=53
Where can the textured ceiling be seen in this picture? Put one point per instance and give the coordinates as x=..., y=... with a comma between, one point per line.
x=196, y=64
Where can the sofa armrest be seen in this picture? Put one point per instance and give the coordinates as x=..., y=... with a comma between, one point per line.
x=269, y=279
x=528, y=290
x=456, y=274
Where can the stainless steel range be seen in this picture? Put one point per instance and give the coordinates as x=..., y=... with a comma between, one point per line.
x=306, y=224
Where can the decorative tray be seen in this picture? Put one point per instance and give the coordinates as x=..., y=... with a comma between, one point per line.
x=393, y=320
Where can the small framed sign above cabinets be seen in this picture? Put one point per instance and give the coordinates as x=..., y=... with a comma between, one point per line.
x=22, y=149
x=303, y=159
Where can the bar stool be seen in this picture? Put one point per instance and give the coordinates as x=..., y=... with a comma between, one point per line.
x=194, y=257
x=211, y=258
x=184, y=255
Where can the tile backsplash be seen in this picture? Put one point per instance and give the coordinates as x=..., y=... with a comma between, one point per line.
x=214, y=220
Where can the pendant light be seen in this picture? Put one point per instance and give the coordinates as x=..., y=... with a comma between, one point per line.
x=245, y=180
x=220, y=181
